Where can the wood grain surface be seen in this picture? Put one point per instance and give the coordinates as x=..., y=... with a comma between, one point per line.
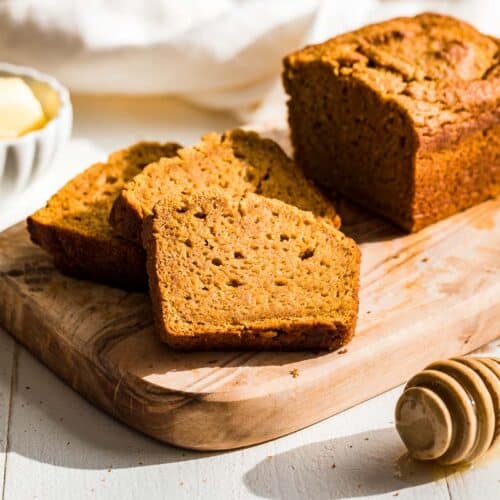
x=425, y=296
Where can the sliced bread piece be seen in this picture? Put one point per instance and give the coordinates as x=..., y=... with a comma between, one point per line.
x=238, y=160
x=248, y=273
x=74, y=225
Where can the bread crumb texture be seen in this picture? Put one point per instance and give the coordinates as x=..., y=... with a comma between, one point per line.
x=239, y=161
x=250, y=272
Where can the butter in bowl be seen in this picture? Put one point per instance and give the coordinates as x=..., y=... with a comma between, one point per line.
x=35, y=121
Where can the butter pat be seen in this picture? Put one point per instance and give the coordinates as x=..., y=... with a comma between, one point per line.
x=20, y=110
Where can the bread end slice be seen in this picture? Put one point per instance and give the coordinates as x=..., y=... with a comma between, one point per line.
x=83, y=256
x=74, y=227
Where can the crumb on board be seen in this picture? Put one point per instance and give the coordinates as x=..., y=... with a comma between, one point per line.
x=294, y=373
x=425, y=259
x=334, y=465
x=269, y=457
x=342, y=351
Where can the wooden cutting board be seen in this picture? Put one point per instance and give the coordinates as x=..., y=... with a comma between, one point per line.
x=425, y=296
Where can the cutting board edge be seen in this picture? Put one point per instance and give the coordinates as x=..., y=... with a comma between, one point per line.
x=180, y=407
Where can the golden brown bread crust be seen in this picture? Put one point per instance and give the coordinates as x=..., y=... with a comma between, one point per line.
x=248, y=273
x=310, y=337
x=403, y=117
x=104, y=260
x=240, y=161
x=74, y=226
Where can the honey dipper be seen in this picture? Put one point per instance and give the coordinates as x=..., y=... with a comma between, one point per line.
x=450, y=411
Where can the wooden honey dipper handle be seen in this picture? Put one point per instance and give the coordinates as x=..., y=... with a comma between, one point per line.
x=450, y=411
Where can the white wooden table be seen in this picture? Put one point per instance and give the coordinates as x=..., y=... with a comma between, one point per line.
x=55, y=445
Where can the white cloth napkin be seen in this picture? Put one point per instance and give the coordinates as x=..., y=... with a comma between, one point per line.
x=218, y=53
x=224, y=54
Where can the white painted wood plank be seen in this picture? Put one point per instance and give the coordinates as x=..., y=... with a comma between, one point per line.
x=6, y=373
x=482, y=481
x=364, y=448
x=63, y=444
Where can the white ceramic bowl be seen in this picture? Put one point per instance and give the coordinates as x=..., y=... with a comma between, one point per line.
x=24, y=159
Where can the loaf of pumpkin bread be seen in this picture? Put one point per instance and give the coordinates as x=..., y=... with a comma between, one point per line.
x=248, y=272
x=74, y=226
x=238, y=161
x=402, y=117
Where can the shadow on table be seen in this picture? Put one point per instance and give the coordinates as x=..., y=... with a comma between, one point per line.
x=50, y=423
x=363, y=226
x=364, y=464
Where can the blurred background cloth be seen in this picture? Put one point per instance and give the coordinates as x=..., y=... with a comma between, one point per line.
x=223, y=54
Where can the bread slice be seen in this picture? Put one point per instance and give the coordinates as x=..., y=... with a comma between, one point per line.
x=239, y=161
x=248, y=273
x=74, y=226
